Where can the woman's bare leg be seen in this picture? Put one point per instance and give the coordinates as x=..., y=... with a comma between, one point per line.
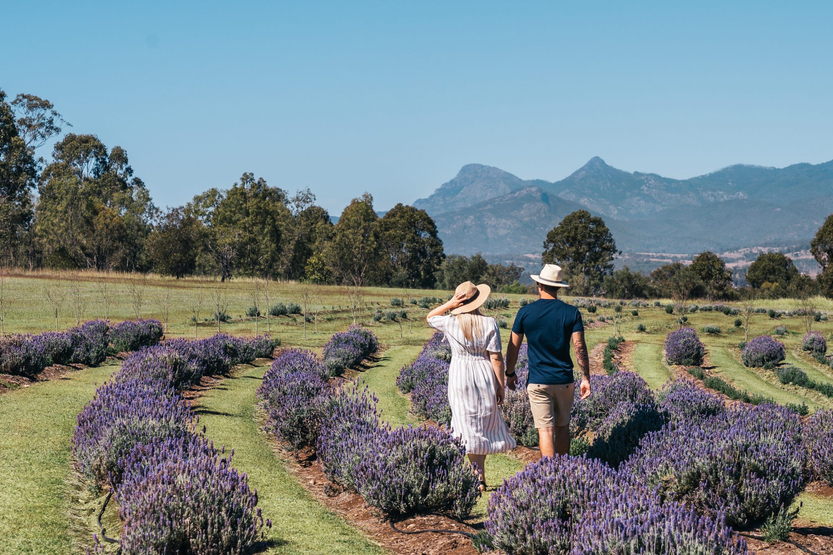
x=479, y=462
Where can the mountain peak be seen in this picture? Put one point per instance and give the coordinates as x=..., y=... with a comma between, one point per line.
x=595, y=161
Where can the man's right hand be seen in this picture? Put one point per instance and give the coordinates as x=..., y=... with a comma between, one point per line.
x=585, y=388
x=512, y=382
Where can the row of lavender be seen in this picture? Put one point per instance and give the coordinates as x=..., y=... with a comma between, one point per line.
x=675, y=456
x=89, y=344
x=138, y=438
x=400, y=471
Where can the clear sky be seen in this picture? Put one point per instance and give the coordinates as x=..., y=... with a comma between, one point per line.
x=393, y=97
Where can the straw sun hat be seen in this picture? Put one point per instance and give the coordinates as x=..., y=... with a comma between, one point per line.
x=551, y=274
x=476, y=295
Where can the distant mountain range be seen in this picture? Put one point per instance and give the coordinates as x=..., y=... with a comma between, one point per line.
x=485, y=209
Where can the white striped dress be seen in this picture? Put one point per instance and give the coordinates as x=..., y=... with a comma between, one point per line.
x=475, y=416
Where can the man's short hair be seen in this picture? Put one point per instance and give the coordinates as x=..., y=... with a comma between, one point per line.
x=550, y=289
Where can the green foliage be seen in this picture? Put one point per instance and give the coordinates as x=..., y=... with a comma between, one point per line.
x=583, y=245
x=396, y=301
x=354, y=254
x=413, y=252
x=626, y=284
x=669, y=309
x=92, y=212
x=714, y=330
x=779, y=526
x=822, y=244
x=772, y=273
x=175, y=243
x=712, y=272
x=607, y=358
x=641, y=328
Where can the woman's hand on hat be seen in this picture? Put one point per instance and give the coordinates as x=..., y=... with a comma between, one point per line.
x=458, y=300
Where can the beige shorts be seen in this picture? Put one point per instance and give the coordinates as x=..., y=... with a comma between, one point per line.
x=551, y=404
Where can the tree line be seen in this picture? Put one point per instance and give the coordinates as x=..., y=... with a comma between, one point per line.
x=584, y=245
x=85, y=208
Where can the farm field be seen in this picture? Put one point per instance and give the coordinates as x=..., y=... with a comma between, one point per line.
x=36, y=477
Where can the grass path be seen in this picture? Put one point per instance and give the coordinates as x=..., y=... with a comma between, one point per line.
x=381, y=379
x=301, y=524
x=647, y=362
x=753, y=381
x=37, y=423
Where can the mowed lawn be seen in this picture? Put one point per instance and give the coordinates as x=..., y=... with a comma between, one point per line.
x=36, y=426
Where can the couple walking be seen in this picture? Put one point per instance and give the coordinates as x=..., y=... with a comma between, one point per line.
x=477, y=376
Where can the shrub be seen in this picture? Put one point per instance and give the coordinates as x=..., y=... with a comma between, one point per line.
x=781, y=330
x=814, y=342
x=745, y=463
x=348, y=435
x=183, y=496
x=252, y=312
x=293, y=308
x=763, y=350
x=133, y=335
x=682, y=401
x=493, y=303
x=502, y=323
x=669, y=309
x=90, y=342
x=57, y=346
x=397, y=302
x=347, y=349
x=711, y=329
x=684, y=347
x=619, y=433
x=793, y=375
x=121, y=416
x=607, y=356
x=778, y=527
x=738, y=322
x=278, y=309
x=772, y=314
x=818, y=439
x=641, y=328
x=634, y=313
x=617, y=309
x=23, y=355
x=591, y=309
x=391, y=315
x=294, y=395
x=608, y=392
x=523, y=302
x=569, y=505
x=417, y=470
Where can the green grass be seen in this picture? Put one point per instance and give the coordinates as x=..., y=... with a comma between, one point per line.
x=300, y=524
x=647, y=362
x=36, y=494
x=816, y=509
x=752, y=380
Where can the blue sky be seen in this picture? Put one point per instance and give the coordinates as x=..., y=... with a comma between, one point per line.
x=394, y=97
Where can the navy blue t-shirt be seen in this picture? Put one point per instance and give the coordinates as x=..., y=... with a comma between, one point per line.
x=548, y=325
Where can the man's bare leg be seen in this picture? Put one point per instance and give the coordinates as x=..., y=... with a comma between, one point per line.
x=562, y=439
x=545, y=442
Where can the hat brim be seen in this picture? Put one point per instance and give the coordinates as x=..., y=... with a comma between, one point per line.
x=539, y=279
x=484, y=292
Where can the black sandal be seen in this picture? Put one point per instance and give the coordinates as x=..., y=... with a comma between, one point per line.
x=481, y=485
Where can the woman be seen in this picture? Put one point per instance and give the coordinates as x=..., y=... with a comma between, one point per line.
x=476, y=375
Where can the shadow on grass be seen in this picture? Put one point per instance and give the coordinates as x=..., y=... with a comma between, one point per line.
x=201, y=411
x=262, y=546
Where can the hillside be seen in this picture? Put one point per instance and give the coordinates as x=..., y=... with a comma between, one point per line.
x=485, y=209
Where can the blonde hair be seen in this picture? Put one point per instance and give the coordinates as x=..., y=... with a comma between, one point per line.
x=471, y=324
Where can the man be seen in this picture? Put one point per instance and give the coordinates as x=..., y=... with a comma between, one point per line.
x=549, y=324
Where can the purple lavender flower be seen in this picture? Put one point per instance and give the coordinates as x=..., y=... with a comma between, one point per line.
x=818, y=439
x=763, y=350
x=814, y=343
x=132, y=335
x=683, y=401
x=684, y=347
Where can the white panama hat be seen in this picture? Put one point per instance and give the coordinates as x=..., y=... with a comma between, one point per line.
x=550, y=275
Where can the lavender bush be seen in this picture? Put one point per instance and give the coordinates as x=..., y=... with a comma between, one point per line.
x=347, y=349
x=121, y=416
x=745, y=463
x=819, y=443
x=619, y=433
x=814, y=343
x=417, y=470
x=132, y=335
x=349, y=434
x=763, y=350
x=608, y=393
x=682, y=401
x=569, y=505
x=427, y=381
x=684, y=347
x=182, y=496
x=90, y=342
x=23, y=355
x=295, y=396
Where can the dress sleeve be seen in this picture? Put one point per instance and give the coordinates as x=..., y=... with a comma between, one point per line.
x=493, y=345
x=438, y=322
